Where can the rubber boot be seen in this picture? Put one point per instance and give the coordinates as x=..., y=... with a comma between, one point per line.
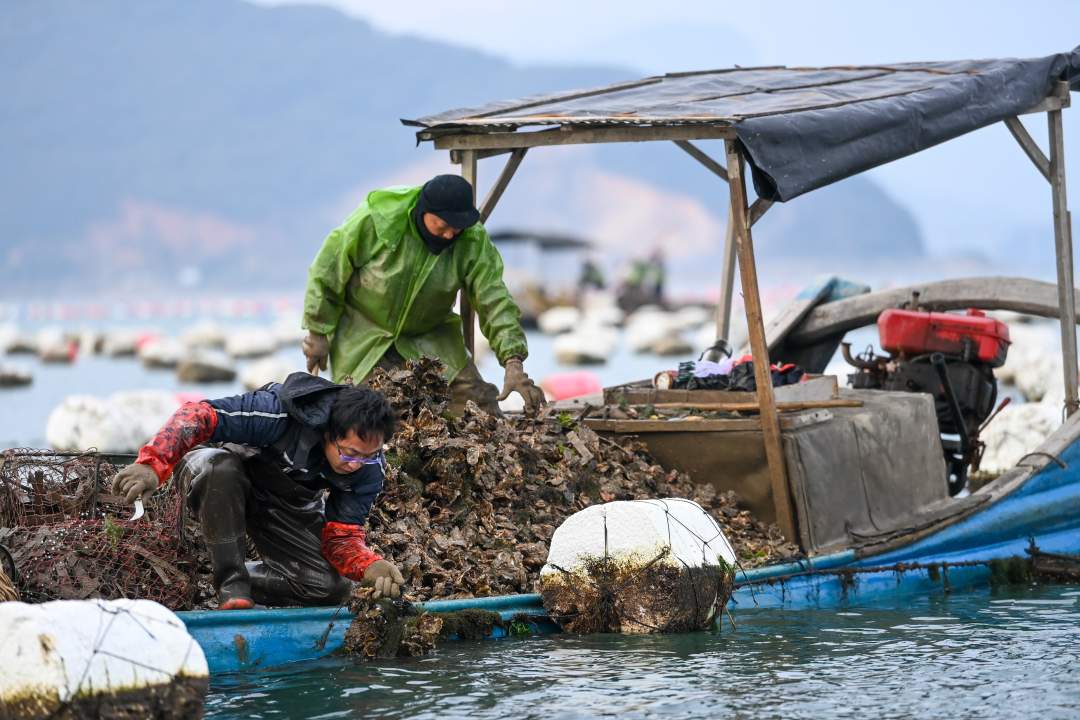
x=230, y=574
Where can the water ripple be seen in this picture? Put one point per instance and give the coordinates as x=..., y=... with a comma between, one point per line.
x=970, y=655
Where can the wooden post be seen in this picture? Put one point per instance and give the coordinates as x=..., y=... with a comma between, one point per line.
x=770, y=419
x=468, y=320
x=497, y=190
x=1028, y=145
x=727, y=277
x=702, y=157
x=1063, y=247
x=758, y=210
x=723, y=307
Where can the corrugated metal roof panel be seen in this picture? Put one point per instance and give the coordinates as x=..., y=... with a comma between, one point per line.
x=802, y=127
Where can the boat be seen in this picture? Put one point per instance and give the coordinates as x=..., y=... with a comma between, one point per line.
x=865, y=538
x=983, y=539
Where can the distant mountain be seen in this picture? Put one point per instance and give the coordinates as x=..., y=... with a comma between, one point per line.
x=152, y=145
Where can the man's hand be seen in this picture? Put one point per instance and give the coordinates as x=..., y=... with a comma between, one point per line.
x=316, y=350
x=134, y=482
x=517, y=381
x=386, y=578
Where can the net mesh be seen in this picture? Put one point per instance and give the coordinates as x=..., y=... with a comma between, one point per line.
x=72, y=539
x=661, y=595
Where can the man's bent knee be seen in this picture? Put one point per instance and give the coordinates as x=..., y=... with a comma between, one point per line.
x=216, y=488
x=322, y=589
x=326, y=589
x=202, y=468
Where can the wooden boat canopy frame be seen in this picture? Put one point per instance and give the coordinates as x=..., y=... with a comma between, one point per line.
x=755, y=111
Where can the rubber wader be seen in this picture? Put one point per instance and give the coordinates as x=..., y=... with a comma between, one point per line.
x=233, y=498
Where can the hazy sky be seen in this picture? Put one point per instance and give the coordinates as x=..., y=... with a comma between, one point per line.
x=978, y=192
x=694, y=34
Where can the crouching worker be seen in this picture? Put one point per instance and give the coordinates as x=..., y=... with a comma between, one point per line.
x=275, y=451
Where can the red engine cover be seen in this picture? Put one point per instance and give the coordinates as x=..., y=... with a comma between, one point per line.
x=911, y=332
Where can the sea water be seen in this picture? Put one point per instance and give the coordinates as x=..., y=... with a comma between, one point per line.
x=1005, y=653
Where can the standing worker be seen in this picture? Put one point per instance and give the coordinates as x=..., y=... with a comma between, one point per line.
x=643, y=284
x=591, y=277
x=382, y=290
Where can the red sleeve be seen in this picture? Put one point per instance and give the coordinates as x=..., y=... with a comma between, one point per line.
x=191, y=425
x=343, y=547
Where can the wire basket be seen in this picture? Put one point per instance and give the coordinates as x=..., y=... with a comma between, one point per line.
x=71, y=538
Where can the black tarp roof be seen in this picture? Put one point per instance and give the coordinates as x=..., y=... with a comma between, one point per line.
x=803, y=128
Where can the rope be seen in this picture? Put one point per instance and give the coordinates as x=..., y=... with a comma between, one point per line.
x=609, y=592
x=1060, y=463
x=705, y=543
x=98, y=649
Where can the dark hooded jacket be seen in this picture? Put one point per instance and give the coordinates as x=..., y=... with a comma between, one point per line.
x=278, y=431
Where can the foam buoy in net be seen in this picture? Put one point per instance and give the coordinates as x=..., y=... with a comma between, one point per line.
x=638, y=566
x=98, y=658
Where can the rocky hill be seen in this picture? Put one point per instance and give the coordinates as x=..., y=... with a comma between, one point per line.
x=154, y=145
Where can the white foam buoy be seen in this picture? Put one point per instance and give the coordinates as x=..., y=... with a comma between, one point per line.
x=70, y=419
x=203, y=335
x=670, y=346
x=1016, y=431
x=54, y=347
x=585, y=346
x=287, y=330
x=89, y=341
x=161, y=353
x=600, y=310
x=206, y=366
x=640, y=529
x=1033, y=364
x=119, y=343
x=266, y=370
x=133, y=658
x=12, y=341
x=690, y=317
x=558, y=319
x=149, y=408
x=637, y=566
x=649, y=325
x=8, y=335
x=12, y=376
x=251, y=342
x=120, y=423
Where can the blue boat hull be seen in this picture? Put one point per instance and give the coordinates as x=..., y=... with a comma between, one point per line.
x=1044, y=508
x=239, y=640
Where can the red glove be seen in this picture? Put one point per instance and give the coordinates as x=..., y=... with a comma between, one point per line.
x=344, y=548
x=191, y=425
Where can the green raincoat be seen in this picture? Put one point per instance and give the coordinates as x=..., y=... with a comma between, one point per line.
x=374, y=285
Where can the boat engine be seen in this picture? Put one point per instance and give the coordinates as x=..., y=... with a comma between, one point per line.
x=949, y=356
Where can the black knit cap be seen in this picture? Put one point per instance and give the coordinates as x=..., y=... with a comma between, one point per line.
x=450, y=198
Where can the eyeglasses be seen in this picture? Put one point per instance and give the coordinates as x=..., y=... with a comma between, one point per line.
x=374, y=459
